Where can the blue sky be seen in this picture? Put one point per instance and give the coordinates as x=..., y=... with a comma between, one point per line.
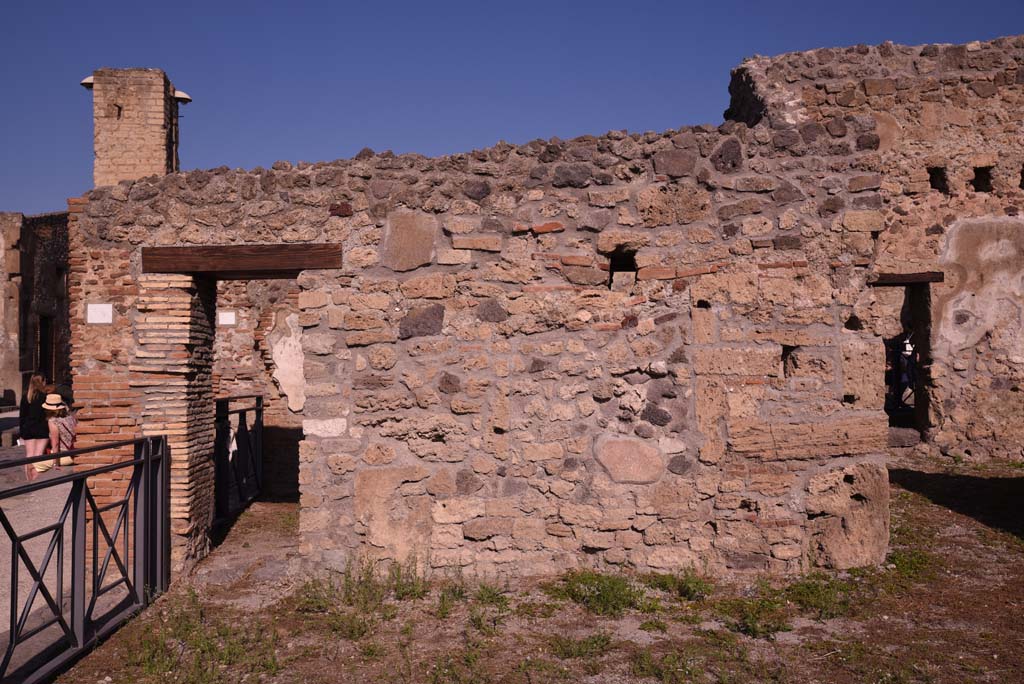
x=320, y=79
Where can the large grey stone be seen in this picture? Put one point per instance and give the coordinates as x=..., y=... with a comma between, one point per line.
x=628, y=460
x=408, y=240
x=675, y=163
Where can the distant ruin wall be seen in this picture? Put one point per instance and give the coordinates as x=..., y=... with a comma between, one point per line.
x=655, y=349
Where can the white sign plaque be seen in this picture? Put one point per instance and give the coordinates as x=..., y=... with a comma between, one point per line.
x=99, y=314
x=226, y=318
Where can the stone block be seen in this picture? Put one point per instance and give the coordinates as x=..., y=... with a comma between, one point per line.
x=482, y=242
x=628, y=460
x=764, y=360
x=849, y=511
x=863, y=371
x=408, y=240
x=421, y=321
x=842, y=436
x=863, y=220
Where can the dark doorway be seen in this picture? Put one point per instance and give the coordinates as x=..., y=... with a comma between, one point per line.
x=908, y=362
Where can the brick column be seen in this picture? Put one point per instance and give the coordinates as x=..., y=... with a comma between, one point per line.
x=172, y=367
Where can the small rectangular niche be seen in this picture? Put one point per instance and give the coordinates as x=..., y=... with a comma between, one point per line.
x=621, y=269
x=938, y=180
x=982, y=181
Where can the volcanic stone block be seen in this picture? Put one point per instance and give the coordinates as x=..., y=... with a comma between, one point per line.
x=628, y=460
x=420, y=321
x=728, y=158
x=476, y=189
x=490, y=311
x=408, y=240
x=675, y=163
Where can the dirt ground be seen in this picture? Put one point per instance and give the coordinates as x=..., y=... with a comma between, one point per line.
x=946, y=607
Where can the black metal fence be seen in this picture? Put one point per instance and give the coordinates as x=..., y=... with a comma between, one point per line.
x=117, y=560
x=237, y=454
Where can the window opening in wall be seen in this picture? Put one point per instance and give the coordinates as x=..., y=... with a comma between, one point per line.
x=1022, y=178
x=621, y=268
x=908, y=362
x=937, y=179
x=982, y=181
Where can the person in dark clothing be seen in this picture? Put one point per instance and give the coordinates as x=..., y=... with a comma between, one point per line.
x=35, y=431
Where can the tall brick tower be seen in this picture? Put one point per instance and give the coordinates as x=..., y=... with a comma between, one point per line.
x=135, y=124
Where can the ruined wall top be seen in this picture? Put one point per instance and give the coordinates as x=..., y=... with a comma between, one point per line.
x=785, y=86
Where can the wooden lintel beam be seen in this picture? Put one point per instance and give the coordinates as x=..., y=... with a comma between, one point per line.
x=896, y=279
x=241, y=261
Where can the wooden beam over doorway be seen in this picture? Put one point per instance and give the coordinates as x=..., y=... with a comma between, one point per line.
x=896, y=279
x=241, y=262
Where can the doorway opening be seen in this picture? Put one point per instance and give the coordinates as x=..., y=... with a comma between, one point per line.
x=908, y=361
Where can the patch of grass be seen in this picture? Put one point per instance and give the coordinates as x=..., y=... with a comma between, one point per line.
x=490, y=595
x=406, y=582
x=185, y=644
x=688, y=585
x=824, y=596
x=912, y=564
x=601, y=594
x=449, y=595
x=486, y=621
x=316, y=596
x=537, y=671
x=759, y=616
x=668, y=668
x=592, y=646
x=371, y=650
x=350, y=625
x=653, y=626
x=462, y=667
x=534, y=610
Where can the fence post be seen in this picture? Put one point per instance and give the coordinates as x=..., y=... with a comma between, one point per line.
x=258, y=443
x=141, y=558
x=78, y=532
x=162, y=566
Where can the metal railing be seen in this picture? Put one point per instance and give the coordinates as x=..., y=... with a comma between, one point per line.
x=237, y=454
x=114, y=572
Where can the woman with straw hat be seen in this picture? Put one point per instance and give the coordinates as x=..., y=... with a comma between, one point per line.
x=62, y=434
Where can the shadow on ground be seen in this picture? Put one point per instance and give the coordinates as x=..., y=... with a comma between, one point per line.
x=992, y=501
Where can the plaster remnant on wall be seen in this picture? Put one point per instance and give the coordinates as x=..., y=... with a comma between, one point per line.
x=286, y=350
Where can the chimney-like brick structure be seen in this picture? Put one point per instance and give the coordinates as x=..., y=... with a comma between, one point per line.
x=135, y=120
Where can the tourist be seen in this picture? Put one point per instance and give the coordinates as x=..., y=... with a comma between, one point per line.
x=62, y=424
x=35, y=432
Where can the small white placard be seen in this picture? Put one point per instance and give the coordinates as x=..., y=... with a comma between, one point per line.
x=99, y=314
x=226, y=318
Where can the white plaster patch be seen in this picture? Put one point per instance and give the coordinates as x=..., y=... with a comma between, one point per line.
x=1000, y=249
x=286, y=350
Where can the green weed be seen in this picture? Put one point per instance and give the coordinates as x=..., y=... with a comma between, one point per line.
x=826, y=597
x=592, y=646
x=601, y=594
x=689, y=585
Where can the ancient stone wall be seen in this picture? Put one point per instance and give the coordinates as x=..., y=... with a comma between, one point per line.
x=938, y=130
x=656, y=349
x=36, y=330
